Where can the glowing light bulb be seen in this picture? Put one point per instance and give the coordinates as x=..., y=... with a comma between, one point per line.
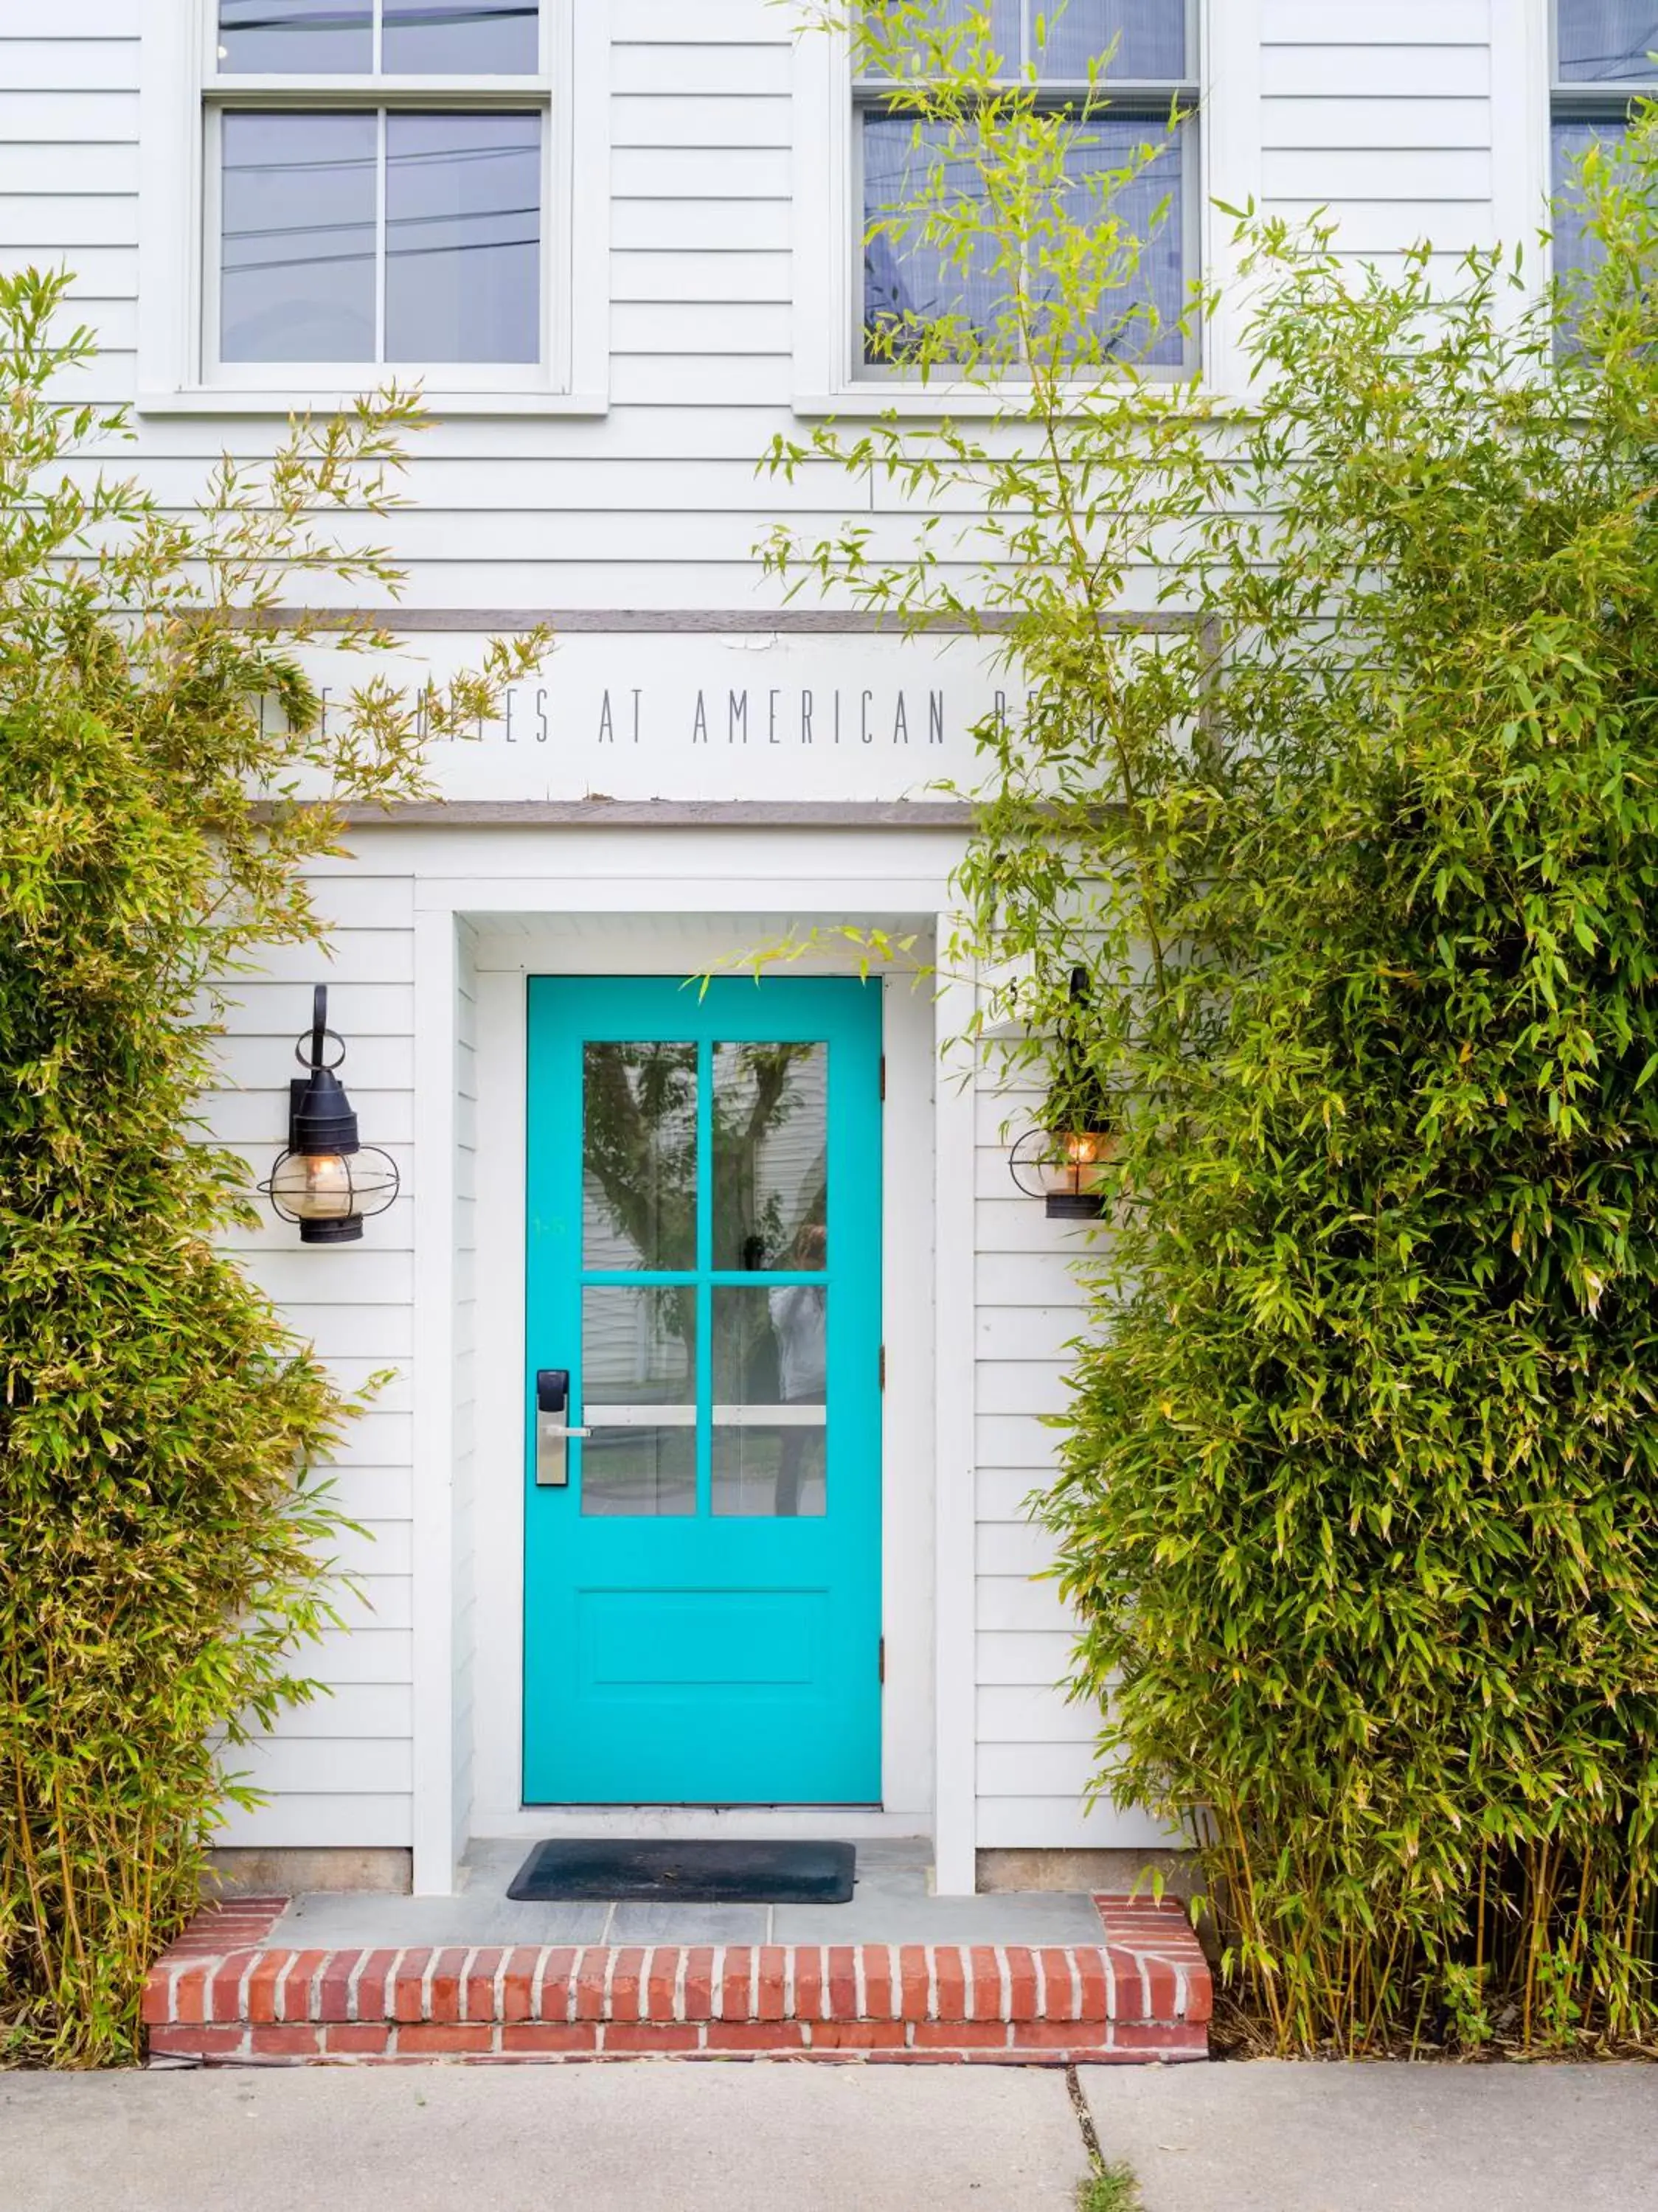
x=314, y=1186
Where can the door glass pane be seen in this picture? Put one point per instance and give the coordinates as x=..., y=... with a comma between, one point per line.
x=297, y=278
x=639, y=1156
x=463, y=238
x=308, y=36
x=638, y=1392
x=1608, y=41
x=770, y=1156
x=461, y=38
x=1149, y=38
x=769, y=1412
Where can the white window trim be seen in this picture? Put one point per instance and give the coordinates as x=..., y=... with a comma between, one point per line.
x=175, y=204
x=826, y=222
x=1521, y=111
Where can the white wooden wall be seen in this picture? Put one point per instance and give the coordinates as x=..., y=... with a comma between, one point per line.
x=1034, y=1750
x=1380, y=109
x=1387, y=110
x=340, y=1769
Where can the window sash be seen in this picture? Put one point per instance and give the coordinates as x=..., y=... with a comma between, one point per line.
x=216, y=79
x=1191, y=227
x=450, y=375
x=1125, y=99
x=1132, y=95
x=1591, y=99
x=318, y=92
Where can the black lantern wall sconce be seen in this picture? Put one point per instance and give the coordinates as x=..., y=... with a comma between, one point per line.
x=326, y=1182
x=1066, y=1160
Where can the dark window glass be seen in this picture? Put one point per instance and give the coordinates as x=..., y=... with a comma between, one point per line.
x=308, y=37
x=459, y=37
x=463, y=238
x=1006, y=25
x=1144, y=39
x=297, y=251
x=1608, y=41
x=1575, y=255
x=908, y=281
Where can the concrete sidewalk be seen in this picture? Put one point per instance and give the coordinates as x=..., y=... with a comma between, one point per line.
x=1267, y=2137
x=661, y=2138
x=643, y=2136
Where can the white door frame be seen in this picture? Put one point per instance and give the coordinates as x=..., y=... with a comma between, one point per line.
x=559, y=891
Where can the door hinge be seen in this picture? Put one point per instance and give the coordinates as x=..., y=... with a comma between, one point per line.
x=883, y=1366
x=881, y=1661
x=883, y=1078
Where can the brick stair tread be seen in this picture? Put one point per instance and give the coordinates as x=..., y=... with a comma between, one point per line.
x=1142, y=1993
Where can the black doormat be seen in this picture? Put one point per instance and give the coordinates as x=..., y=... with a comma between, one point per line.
x=691, y=1873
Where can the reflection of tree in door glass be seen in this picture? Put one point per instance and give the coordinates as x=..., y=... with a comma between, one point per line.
x=770, y=1371
x=771, y=1156
x=639, y=1155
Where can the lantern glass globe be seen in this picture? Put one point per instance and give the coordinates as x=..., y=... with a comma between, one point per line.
x=314, y=1186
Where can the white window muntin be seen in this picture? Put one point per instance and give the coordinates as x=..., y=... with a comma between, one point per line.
x=544, y=92
x=1147, y=100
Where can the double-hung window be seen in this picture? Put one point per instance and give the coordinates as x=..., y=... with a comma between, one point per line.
x=1148, y=53
x=1603, y=61
x=376, y=179
x=337, y=193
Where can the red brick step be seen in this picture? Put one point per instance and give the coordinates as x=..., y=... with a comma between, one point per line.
x=1142, y=1994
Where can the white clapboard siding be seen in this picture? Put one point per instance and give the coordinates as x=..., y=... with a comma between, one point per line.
x=372, y=1495
x=63, y=64
x=728, y=72
x=1033, y=1658
x=357, y=1712
x=1023, y=1386
x=375, y=1547
x=1000, y=1493
x=106, y=167
x=710, y=23
x=1380, y=111
x=376, y=1437
x=1017, y=1441
x=80, y=118
x=340, y=1656
x=1060, y=1823
x=1320, y=69
x=1376, y=109
x=376, y=1601
x=298, y=1819
x=319, y=1765
x=1028, y=1307
x=717, y=122
x=339, y=1768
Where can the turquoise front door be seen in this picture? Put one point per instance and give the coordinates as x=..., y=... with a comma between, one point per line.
x=701, y=1582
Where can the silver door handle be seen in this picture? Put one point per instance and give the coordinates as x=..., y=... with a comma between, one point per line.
x=552, y=1434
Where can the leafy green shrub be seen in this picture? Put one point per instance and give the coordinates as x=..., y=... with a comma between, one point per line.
x=161, y=1551
x=1358, y=842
